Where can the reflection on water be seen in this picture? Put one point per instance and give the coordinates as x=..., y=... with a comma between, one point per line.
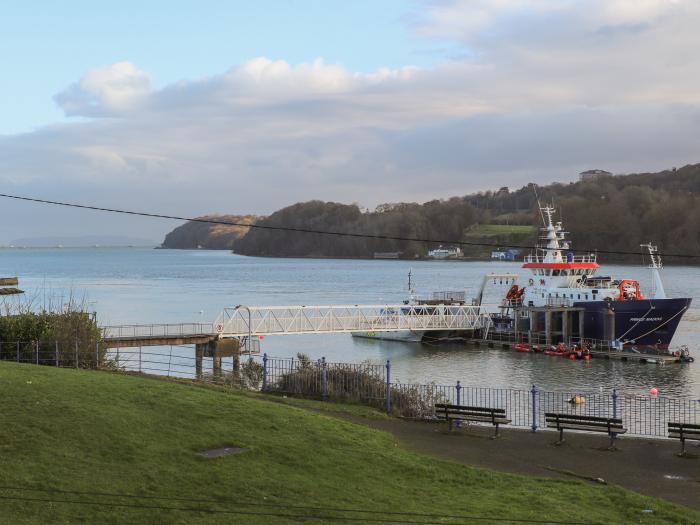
x=160, y=286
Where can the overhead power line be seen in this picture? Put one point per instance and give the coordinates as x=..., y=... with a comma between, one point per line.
x=320, y=232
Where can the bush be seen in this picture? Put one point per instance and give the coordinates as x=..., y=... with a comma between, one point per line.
x=46, y=334
x=363, y=383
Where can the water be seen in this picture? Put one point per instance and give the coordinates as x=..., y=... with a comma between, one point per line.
x=135, y=286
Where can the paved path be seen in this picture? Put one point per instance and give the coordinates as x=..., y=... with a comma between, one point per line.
x=648, y=466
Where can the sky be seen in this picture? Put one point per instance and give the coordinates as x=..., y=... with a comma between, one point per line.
x=188, y=108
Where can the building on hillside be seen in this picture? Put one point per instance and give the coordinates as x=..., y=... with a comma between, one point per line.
x=505, y=255
x=451, y=252
x=593, y=175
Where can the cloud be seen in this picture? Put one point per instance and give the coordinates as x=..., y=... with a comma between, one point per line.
x=106, y=91
x=542, y=90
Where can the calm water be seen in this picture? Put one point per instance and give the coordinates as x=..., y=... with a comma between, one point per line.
x=133, y=286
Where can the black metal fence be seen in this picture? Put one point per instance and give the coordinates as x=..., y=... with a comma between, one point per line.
x=365, y=383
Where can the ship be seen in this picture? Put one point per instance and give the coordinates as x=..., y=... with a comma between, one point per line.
x=614, y=310
x=564, y=299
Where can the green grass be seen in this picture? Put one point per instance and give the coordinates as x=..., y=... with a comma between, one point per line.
x=493, y=230
x=100, y=432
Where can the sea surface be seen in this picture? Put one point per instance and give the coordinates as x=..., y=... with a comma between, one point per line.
x=140, y=286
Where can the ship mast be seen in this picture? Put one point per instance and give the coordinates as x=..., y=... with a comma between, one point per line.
x=552, y=235
x=657, y=286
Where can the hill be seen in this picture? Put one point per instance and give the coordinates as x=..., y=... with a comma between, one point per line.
x=95, y=447
x=193, y=235
x=614, y=213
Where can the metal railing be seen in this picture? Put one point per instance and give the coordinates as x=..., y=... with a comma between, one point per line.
x=135, y=331
x=642, y=415
x=533, y=258
x=279, y=320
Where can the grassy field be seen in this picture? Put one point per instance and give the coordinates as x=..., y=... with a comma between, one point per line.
x=98, y=447
x=494, y=230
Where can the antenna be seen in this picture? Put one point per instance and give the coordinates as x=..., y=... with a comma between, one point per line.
x=539, y=205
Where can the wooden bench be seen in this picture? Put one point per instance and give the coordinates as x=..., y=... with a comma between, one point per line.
x=609, y=425
x=450, y=413
x=683, y=431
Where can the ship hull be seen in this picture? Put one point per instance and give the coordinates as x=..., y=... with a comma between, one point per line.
x=644, y=325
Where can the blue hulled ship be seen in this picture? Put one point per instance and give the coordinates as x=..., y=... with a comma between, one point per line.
x=614, y=310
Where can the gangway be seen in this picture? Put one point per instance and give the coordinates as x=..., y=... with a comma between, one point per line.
x=246, y=321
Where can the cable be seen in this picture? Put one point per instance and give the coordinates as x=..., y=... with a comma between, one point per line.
x=320, y=232
x=273, y=505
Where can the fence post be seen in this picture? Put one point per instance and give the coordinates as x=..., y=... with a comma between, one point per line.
x=533, y=391
x=388, y=386
x=56, y=352
x=324, y=383
x=614, y=400
x=264, y=378
x=140, y=359
x=458, y=423
x=77, y=360
x=37, y=351
x=97, y=354
x=18, y=351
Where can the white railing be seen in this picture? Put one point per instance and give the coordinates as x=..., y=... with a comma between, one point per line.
x=278, y=320
x=575, y=259
x=135, y=331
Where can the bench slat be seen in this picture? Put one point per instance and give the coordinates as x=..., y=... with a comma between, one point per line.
x=456, y=413
x=577, y=417
x=687, y=427
x=592, y=428
x=692, y=437
x=442, y=407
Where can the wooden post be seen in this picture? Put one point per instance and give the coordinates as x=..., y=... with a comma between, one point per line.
x=548, y=326
x=581, y=324
x=565, y=326
x=198, y=355
x=610, y=325
x=216, y=359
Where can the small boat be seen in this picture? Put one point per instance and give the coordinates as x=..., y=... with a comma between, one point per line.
x=683, y=355
x=558, y=353
x=523, y=347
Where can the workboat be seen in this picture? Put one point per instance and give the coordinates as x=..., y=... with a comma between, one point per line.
x=603, y=308
x=435, y=304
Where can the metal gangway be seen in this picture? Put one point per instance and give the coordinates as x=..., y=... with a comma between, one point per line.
x=249, y=321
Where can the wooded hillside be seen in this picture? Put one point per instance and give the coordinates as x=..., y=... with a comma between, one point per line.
x=608, y=213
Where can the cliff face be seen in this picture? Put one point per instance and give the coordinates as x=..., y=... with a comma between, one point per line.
x=193, y=235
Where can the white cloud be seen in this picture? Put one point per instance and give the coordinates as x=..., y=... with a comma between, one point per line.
x=106, y=91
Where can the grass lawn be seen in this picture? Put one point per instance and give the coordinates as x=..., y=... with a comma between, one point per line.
x=95, y=433
x=493, y=230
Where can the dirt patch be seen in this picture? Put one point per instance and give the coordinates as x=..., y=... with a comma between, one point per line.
x=222, y=451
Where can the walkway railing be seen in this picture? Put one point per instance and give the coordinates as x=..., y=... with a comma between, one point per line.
x=642, y=415
x=136, y=331
x=279, y=320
